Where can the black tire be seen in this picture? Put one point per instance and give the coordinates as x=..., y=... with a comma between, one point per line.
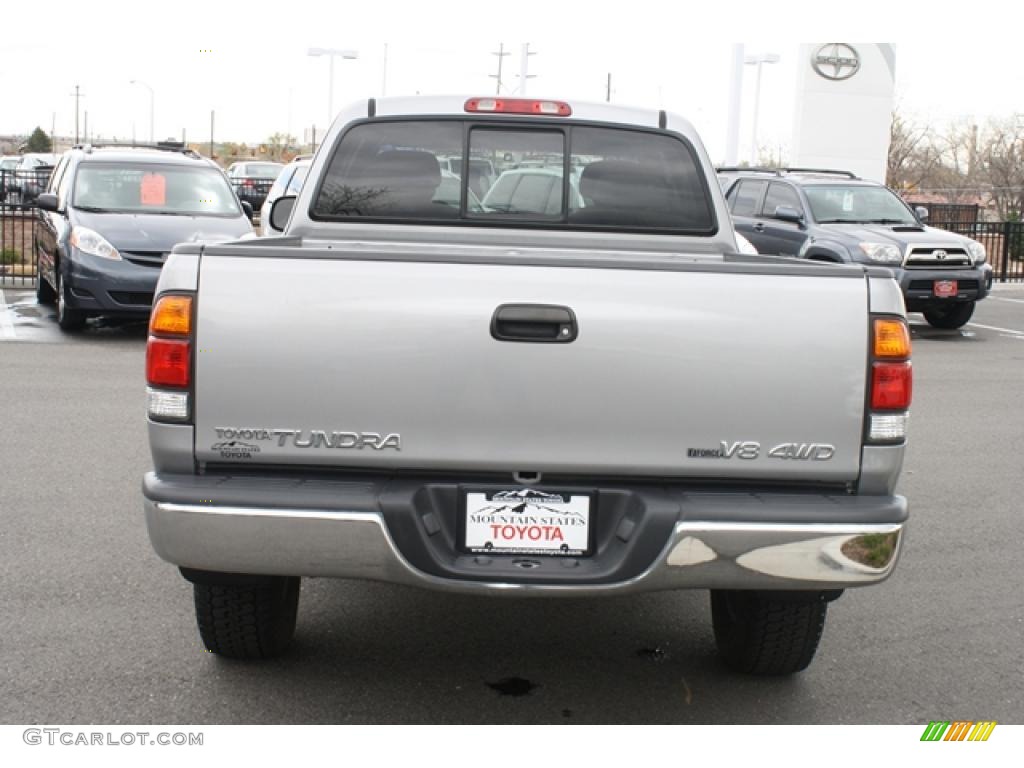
x=950, y=317
x=44, y=291
x=68, y=319
x=759, y=634
x=248, y=621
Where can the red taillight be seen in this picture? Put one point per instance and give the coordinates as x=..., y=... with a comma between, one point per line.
x=519, y=106
x=248, y=183
x=168, y=362
x=891, y=386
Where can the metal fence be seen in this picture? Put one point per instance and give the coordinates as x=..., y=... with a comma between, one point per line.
x=962, y=213
x=1003, y=241
x=18, y=192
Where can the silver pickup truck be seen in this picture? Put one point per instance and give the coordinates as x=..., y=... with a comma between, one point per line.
x=562, y=394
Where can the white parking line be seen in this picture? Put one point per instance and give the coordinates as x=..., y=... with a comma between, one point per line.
x=994, y=328
x=6, y=323
x=1001, y=298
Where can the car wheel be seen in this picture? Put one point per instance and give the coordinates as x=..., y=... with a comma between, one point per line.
x=247, y=620
x=759, y=634
x=950, y=317
x=68, y=318
x=44, y=292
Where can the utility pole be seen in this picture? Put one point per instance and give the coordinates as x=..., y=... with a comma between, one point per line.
x=608, y=88
x=501, y=53
x=757, y=60
x=53, y=132
x=85, y=128
x=732, y=135
x=211, y=134
x=78, y=95
x=524, y=66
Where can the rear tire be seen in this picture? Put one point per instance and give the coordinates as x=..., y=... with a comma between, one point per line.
x=248, y=620
x=951, y=317
x=67, y=318
x=760, y=634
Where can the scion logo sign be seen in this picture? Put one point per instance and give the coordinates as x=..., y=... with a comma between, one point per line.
x=836, y=61
x=314, y=438
x=527, y=521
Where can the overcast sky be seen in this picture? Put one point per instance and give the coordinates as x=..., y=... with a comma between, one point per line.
x=249, y=62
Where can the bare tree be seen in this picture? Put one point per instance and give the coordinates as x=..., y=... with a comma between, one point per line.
x=1001, y=161
x=278, y=144
x=913, y=155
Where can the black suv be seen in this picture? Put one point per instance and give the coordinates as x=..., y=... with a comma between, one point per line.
x=834, y=216
x=109, y=217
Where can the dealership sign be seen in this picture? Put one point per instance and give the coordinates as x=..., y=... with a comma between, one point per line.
x=836, y=61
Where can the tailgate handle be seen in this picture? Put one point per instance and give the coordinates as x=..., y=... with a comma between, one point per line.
x=539, y=323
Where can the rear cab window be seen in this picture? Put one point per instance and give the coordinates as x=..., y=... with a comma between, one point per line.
x=526, y=173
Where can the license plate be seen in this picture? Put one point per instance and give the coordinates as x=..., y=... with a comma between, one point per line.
x=944, y=289
x=526, y=522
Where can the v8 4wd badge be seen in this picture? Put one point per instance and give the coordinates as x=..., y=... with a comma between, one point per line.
x=749, y=450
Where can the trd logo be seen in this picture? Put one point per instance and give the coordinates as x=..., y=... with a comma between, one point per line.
x=958, y=730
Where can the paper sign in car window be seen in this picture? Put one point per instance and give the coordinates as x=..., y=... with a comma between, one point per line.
x=153, y=190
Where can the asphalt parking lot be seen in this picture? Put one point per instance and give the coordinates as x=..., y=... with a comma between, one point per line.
x=99, y=630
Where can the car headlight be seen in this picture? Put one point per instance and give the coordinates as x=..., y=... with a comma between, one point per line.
x=93, y=243
x=884, y=253
x=977, y=251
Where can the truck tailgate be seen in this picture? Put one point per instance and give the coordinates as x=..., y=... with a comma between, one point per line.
x=364, y=363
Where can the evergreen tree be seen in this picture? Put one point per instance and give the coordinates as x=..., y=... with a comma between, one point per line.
x=38, y=142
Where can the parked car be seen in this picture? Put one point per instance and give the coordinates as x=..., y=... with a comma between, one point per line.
x=481, y=172
x=35, y=170
x=7, y=165
x=252, y=180
x=30, y=175
x=110, y=216
x=834, y=216
x=531, y=190
x=288, y=182
x=449, y=191
x=524, y=401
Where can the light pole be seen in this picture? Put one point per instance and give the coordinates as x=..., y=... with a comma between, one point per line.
x=757, y=59
x=331, y=53
x=151, y=99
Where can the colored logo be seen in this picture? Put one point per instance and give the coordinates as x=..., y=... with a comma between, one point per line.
x=958, y=730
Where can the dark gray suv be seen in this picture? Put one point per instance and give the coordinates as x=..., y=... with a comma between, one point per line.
x=834, y=216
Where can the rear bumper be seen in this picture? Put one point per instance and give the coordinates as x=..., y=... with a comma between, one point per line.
x=335, y=529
